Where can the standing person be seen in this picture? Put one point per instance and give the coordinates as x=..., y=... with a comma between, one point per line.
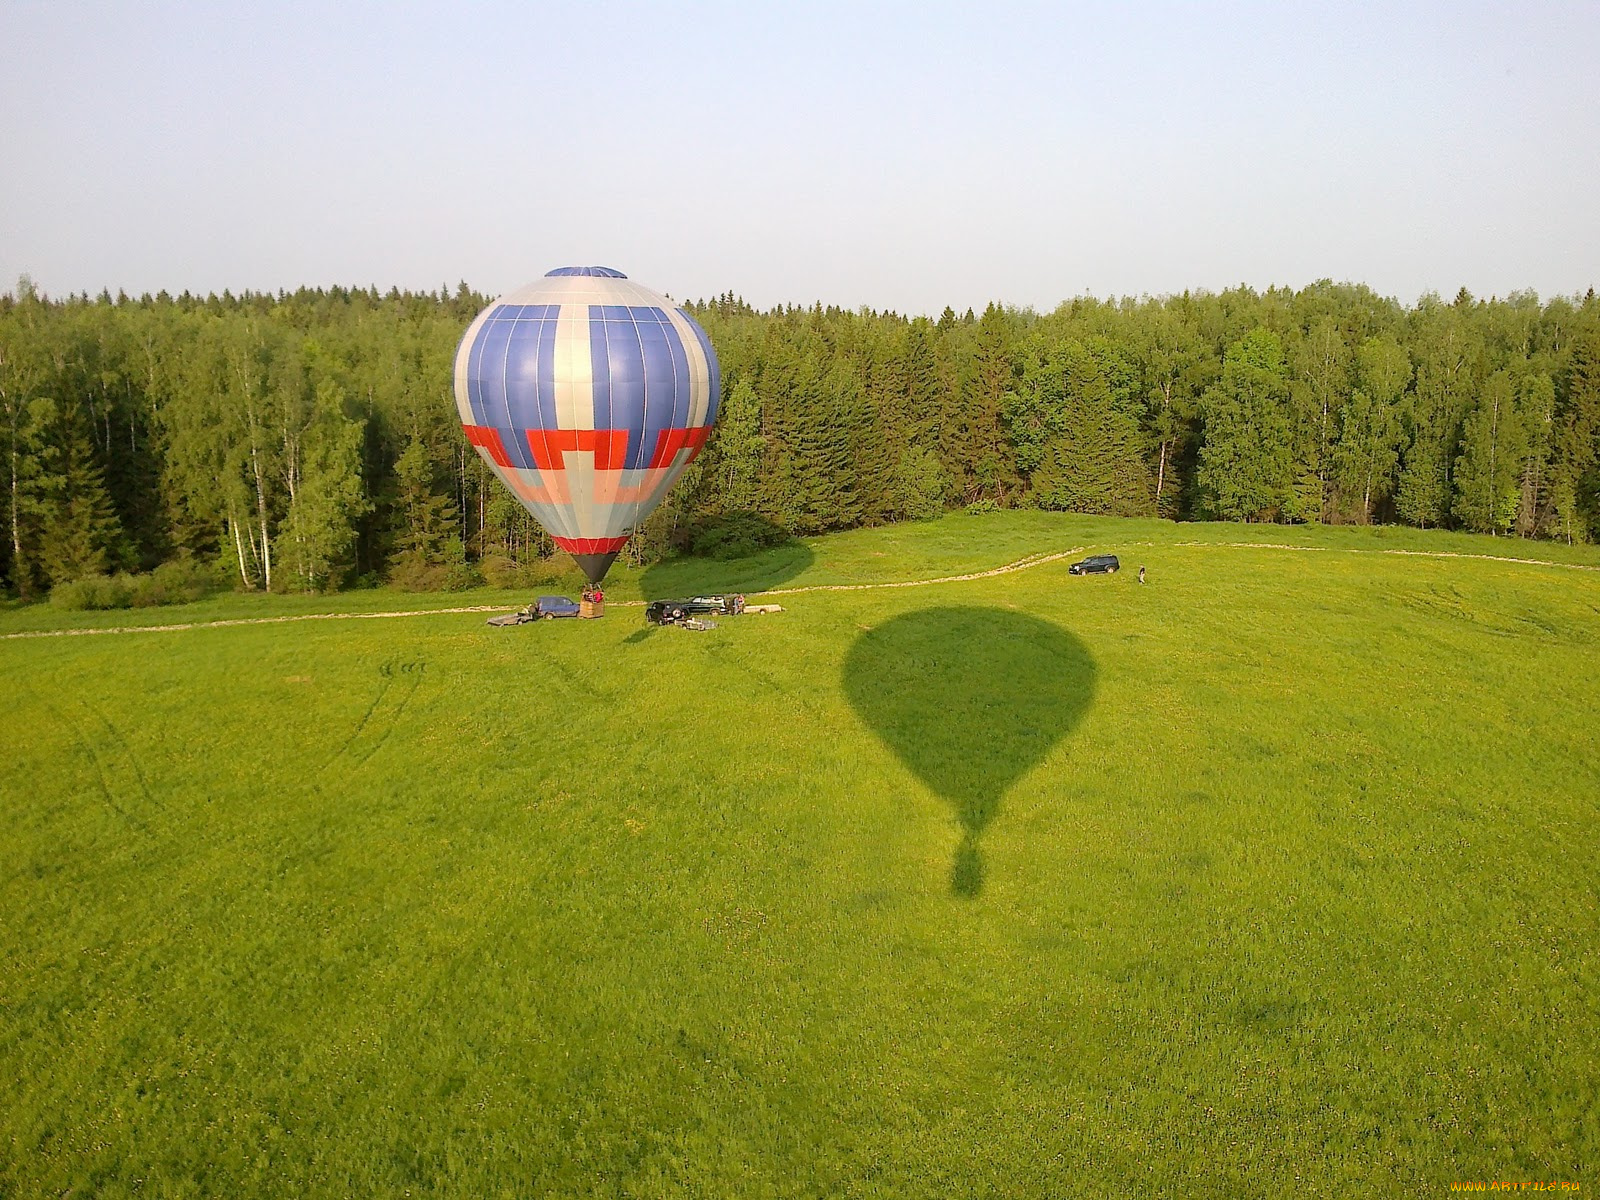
x=1141, y=572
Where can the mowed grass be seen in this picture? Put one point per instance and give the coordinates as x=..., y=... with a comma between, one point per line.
x=1278, y=874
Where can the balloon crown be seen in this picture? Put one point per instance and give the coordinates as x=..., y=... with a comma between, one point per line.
x=603, y=272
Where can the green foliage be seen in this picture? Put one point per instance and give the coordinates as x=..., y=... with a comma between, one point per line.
x=180, y=581
x=310, y=438
x=990, y=468
x=448, y=571
x=426, y=535
x=92, y=592
x=318, y=536
x=738, y=445
x=921, y=485
x=1536, y=406
x=1321, y=382
x=1424, y=486
x=1576, y=468
x=1367, y=452
x=35, y=489
x=82, y=535
x=1073, y=422
x=503, y=571
x=735, y=535
x=1488, y=472
x=1246, y=462
x=1177, y=366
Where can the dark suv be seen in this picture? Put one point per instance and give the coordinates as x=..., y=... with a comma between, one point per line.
x=1095, y=564
x=672, y=612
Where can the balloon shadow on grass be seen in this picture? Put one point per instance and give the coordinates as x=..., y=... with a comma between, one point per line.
x=970, y=699
x=731, y=552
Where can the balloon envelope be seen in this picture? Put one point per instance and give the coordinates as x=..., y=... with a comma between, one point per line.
x=587, y=395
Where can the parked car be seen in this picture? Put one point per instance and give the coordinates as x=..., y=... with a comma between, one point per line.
x=1096, y=564
x=544, y=608
x=673, y=612
x=555, y=606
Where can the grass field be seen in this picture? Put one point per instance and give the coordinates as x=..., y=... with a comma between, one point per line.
x=1279, y=875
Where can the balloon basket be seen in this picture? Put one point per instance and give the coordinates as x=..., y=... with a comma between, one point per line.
x=591, y=608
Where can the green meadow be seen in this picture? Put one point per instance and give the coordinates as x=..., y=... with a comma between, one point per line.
x=1276, y=875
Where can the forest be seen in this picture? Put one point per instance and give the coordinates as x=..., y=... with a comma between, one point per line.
x=308, y=441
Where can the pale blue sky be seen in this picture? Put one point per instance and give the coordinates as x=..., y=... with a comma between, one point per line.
x=898, y=156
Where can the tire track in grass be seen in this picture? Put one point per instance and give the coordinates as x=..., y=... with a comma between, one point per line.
x=102, y=773
x=391, y=722
x=1499, y=558
x=388, y=714
x=238, y=621
x=1022, y=564
x=362, y=723
x=121, y=742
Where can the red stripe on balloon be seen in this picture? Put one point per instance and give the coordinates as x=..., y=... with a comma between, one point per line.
x=590, y=545
x=488, y=440
x=670, y=441
x=609, y=446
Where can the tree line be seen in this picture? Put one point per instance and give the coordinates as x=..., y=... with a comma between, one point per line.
x=308, y=440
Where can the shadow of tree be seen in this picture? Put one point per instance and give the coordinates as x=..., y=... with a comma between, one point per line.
x=970, y=699
x=735, y=552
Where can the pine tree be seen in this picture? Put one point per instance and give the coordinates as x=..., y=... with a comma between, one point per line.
x=1367, y=449
x=1321, y=386
x=81, y=535
x=1423, y=496
x=1088, y=455
x=35, y=483
x=923, y=396
x=994, y=374
x=1488, y=471
x=317, y=538
x=1246, y=463
x=1369, y=431
x=1175, y=362
x=1446, y=358
x=738, y=445
x=427, y=525
x=882, y=433
x=921, y=484
x=1576, y=459
x=1536, y=401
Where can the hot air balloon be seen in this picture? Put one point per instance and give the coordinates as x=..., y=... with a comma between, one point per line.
x=587, y=395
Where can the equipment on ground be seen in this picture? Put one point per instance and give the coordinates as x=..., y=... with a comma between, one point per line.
x=678, y=612
x=687, y=614
x=587, y=395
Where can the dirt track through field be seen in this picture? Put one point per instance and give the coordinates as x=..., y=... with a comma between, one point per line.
x=1021, y=564
x=1500, y=558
